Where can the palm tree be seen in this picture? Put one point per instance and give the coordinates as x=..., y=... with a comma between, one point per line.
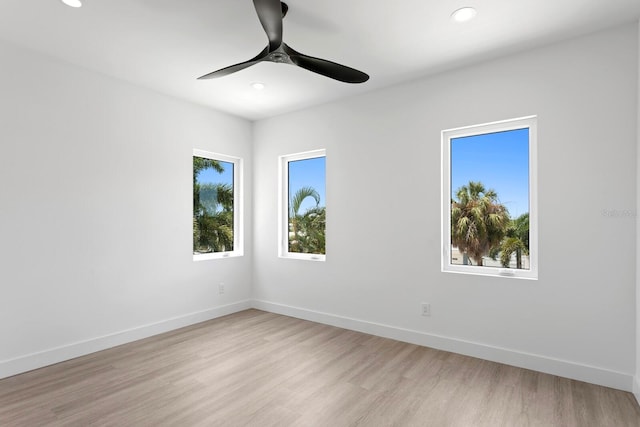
x=304, y=226
x=215, y=197
x=311, y=230
x=516, y=241
x=478, y=221
x=200, y=164
x=212, y=210
x=214, y=218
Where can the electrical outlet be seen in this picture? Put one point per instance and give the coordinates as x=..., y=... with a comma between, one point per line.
x=426, y=309
x=221, y=288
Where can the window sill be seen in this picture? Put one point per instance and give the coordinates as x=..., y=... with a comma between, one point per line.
x=216, y=255
x=508, y=273
x=304, y=257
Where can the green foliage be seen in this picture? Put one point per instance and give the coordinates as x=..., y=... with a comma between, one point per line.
x=215, y=197
x=212, y=211
x=478, y=221
x=215, y=232
x=202, y=163
x=516, y=241
x=295, y=202
x=307, y=229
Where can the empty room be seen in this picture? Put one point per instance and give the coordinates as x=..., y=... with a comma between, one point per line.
x=319, y=213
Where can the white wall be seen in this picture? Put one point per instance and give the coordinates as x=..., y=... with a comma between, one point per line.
x=95, y=212
x=383, y=212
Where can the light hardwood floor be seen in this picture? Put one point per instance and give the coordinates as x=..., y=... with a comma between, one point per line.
x=261, y=369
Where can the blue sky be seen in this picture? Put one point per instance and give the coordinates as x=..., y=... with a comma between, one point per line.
x=308, y=173
x=210, y=176
x=302, y=173
x=500, y=161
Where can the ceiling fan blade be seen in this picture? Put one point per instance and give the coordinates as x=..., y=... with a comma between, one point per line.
x=236, y=67
x=326, y=68
x=270, y=14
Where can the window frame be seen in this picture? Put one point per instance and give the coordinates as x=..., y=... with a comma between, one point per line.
x=238, y=205
x=283, y=204
x=529, y=122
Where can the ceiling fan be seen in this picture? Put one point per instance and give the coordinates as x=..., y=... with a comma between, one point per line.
x=271, y=13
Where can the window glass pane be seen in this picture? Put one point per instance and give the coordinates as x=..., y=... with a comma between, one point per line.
x=213, y=206
x=490, y=199
x=307, y=209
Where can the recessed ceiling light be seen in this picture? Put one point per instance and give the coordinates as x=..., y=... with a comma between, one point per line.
x=464, y=14
x=258, y=85
x=72, y=3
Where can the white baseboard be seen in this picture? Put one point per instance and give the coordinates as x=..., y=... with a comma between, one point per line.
x=636, y=388
x=59, y=354
x=562, y=368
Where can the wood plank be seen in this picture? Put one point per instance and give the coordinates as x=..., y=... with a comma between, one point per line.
x=261, y=369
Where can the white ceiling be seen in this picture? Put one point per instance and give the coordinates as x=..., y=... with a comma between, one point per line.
x=166, y=44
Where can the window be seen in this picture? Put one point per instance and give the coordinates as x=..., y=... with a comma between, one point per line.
x=302, y=206
x=489, y=216
x=217, y=207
